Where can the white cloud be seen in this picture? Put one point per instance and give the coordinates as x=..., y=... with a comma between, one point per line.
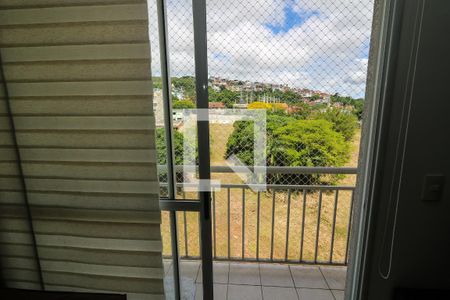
x=357, y=76
x=326, y=52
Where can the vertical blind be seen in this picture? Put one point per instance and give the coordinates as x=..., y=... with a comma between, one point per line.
x=78, y=77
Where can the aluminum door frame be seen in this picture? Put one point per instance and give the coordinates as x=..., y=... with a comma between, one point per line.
x=203, y=206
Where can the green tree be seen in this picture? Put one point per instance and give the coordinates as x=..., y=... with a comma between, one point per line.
x=315, y=97
x=241, y=142
x=358, y=108
x=292, y=142
x=187, y=84
x=311, y=143
x=290, y=97
x=157, y=82
x=343, y=121
x=356, y=104
x=161, y=146
x=179, y=147
x=225, y=96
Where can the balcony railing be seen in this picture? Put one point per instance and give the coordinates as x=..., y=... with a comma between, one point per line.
x=288, y=223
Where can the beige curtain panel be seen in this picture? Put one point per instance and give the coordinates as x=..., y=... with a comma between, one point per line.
x=78, y=172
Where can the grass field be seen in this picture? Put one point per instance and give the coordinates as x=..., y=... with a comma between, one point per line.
x=189, y=221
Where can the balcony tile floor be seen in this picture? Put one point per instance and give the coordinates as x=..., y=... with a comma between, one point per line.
x=261, y=281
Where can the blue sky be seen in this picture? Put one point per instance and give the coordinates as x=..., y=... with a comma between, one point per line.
x=291, y=19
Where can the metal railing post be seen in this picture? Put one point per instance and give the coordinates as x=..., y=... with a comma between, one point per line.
x=273, y=226
x=319, y=210
x=333, y=226
x=288, y=220
x=229, y=217
x=243, y=224
x=302, y=236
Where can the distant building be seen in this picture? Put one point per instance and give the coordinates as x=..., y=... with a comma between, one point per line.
x=247, y=86
x=285, y=87
x=258, y=87
x=216, y=105
x=305, y=93
x=236, y=88
x=276, y=87
x=326, y=98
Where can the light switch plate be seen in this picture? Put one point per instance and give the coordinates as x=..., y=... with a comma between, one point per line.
x=433, y=187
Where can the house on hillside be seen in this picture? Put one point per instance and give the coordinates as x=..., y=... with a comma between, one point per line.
x=216, y=105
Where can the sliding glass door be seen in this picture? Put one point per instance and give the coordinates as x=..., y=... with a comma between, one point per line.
x=185, y=193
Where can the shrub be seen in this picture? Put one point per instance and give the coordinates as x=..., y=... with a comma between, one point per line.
x=259, y=105
x=183, y=104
